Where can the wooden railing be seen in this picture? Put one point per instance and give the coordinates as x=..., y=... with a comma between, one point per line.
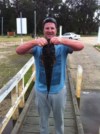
x=17, y=88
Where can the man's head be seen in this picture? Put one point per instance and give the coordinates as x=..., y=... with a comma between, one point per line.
x=49, y=19
x=49, y=27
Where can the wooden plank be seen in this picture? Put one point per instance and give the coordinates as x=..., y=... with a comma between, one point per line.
x=14, y=95
x=31, y=122
x=35, y=129
x=68, y=103
x=23, y=114
x=34, y=113
x=35, y=121
x=20, y=89
x=67, y=114
x=75, y=104
x=67, y=109
x=79, y=125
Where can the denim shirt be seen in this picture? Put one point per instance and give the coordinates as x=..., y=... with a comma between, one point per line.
x=58, y=72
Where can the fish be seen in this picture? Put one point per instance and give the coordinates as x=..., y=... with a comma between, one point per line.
x=48, y=60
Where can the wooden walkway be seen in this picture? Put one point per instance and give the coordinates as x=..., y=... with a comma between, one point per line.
x=28, y=123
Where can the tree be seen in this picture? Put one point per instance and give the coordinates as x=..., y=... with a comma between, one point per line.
x=73, y=15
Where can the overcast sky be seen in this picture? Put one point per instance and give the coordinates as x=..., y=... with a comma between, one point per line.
x=63, y=0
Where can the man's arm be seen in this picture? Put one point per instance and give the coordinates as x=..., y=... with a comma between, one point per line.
x=26, y=47
x=74, y=44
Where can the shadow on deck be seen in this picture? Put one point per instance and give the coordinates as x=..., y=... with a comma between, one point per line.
x=28, y=123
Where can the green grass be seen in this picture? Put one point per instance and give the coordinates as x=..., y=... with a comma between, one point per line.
x=27, y=76
x=10, y=63
x=14, y=38
x=97, y=46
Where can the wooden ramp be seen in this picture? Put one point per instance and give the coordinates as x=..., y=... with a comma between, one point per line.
x=28, y=123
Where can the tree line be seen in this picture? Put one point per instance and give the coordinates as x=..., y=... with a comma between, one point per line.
x=73, y=15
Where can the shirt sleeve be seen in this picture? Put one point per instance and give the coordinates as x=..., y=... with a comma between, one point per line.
x=34, y=50
x=68, y=49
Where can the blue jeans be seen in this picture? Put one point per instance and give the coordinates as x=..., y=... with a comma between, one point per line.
x=56, y=103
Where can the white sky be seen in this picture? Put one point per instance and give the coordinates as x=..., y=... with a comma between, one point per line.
x=63, y=0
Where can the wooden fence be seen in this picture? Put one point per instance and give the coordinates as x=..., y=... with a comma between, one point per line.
x=17, y=88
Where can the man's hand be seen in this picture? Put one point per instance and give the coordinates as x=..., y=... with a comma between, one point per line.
x=41, y=41
x=27, y=47
x=56, y=40
x=74, y=44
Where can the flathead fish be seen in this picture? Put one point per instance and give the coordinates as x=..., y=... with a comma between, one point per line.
x=48, y=60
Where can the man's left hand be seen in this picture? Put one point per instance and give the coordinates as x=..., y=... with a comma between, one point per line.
x=56, y=40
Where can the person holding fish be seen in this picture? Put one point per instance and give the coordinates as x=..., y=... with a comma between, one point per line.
x=50, y=53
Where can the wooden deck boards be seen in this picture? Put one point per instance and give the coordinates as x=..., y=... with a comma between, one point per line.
x=31, y=121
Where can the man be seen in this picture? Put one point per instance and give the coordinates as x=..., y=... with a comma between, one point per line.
x=57, y=94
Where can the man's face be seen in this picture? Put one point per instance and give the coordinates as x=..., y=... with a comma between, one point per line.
x=49, y=30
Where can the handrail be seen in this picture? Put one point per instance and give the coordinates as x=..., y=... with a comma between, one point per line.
x=4, y=91
x=17, y=88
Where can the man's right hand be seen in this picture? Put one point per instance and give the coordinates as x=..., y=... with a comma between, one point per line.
x=27, y=47
x=41, y=41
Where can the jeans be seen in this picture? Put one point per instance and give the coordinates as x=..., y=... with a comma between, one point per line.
x=56, y=103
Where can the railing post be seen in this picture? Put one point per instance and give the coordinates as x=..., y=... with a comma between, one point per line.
x=79, y=83
x=14, y=95
x=20, y=88
x=22, y=41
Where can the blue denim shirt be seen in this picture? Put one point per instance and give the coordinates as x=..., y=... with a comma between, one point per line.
x=59, y=69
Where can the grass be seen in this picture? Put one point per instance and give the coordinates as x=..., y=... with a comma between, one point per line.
x=27, y=76
x=14, y=38
x=10, y=63
x=97, y=47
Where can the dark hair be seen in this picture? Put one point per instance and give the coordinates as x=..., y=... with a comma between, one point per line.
x=49, y=19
